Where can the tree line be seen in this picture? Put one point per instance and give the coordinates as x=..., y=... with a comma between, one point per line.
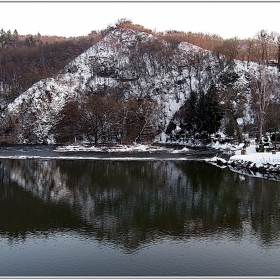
x=262, y=46
x=106, y=119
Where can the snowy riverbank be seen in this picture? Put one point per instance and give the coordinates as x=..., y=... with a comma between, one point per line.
x=252, y=163
x=255, y=164
x=119, y=149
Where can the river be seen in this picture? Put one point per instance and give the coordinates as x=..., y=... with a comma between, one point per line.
x=155, y=214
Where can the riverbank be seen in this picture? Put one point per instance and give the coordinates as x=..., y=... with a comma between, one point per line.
x=252, y=163
x=120, y=148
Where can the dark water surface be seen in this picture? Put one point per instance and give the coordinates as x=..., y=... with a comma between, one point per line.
x=111, y=217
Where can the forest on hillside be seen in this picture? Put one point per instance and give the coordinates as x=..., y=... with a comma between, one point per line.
x=222, y=97
x=26, y=59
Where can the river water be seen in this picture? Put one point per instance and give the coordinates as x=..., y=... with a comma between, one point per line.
x=156, y=214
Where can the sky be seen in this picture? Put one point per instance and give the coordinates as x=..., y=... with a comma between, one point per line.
x=71, y=19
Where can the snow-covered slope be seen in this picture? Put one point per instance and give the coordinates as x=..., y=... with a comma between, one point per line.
x=133, y=63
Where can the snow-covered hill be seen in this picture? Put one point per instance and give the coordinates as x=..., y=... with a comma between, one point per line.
x=124, y=61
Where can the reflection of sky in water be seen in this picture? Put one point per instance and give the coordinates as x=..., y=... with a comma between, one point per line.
x=74, y=255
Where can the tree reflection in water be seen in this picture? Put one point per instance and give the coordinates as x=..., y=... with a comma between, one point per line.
x=134, y=203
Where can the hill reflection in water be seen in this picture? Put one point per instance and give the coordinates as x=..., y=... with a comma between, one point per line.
x=133, y=204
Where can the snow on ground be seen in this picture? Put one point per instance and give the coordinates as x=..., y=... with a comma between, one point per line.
x=119, y=148
x=257, y=158
x=252, y=163
x=225, y=147
x=252, y=156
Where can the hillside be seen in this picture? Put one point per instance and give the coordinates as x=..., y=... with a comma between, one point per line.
x=150, y=82
x=27, y=59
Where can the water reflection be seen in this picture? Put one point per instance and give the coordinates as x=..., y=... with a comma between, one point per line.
x=134, y=203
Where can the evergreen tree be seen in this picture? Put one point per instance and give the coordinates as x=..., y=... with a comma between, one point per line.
x=15, y=38
x=8, y=37
x=38, y=39
x=200, y=114
x=213, y=111
x=2, y=38
x=190, y=119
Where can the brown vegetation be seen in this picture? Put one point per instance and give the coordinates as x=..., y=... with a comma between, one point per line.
x=25, y=60
x=104, y=119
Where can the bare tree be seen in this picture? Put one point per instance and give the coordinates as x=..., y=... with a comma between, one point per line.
x=278, y=50
x=234, y=97
x=263, y=85
x=247, y=50
x=231, y=48
x=266, y=46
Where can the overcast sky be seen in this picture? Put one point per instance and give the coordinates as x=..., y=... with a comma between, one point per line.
x=79, y=18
